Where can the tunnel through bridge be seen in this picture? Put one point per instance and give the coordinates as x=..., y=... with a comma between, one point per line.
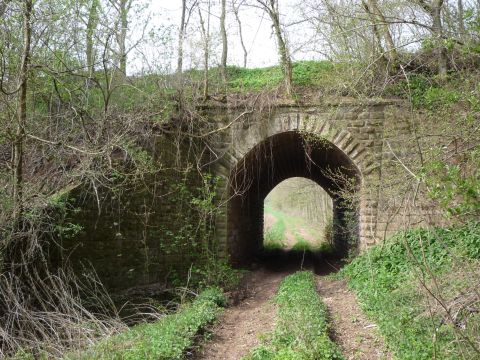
x=336, y=150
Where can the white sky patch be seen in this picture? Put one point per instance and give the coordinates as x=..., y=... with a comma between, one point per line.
x=160, y=54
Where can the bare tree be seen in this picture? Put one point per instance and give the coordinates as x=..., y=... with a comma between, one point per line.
x=236, y=9
x=434, y=10
x=205, y=31
x=18, y=153
x=271, y=8
x=91, y=26
x=122, y=34
x=223, y=32
x=184, y=20
x=121, y=28
x=181, y=36
x=381, y=30
x=460, y=19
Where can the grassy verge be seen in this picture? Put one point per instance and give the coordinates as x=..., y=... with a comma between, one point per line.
x=301, y=331
x=168, y=338
x=391, y=281
x=305, y=73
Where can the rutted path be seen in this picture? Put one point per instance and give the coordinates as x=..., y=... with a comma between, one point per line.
x=351, y=330
x=241, y=326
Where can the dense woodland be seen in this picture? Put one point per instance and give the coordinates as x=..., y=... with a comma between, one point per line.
x=84, y=84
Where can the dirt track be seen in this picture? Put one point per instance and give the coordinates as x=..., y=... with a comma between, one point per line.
x=241, y=326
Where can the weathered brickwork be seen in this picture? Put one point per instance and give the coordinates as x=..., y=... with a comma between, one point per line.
x=136, y=236
x=375, y=136
x=371, y=141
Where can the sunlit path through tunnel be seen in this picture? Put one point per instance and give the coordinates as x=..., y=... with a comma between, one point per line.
x=280, y=157
x=298, y=216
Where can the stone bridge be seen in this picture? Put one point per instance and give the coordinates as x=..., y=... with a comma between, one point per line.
x=340, y=145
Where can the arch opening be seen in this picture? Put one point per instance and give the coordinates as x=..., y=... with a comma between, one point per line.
x=280, y=157
x=298, y=216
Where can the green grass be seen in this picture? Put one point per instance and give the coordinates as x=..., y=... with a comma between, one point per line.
x=388, y=281
x=167, y=338
x=301, y=244
x=301, y=330
x=275, y=237
x=305, y=73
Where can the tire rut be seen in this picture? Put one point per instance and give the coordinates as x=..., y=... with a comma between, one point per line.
x=351, y=330
x=240, y=327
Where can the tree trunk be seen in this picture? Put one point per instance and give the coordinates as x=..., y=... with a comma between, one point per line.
x=122, y=36
x=181, y=35
x=387, y=35
x=206, y=47
x=240, y=33
x=91, y=26
x=223, y=32
x=437, y=29
x=285, y=61
x=460, y=17
x=376, y=31
x=22, y=113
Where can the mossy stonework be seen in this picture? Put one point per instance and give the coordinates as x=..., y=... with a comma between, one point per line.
x=351, y=148
x=347, y=147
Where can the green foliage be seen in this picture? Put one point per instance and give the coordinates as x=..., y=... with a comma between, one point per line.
x=311, y=73
x=167, y=338
x=305, y=73
x=457, y=191
x=214, y=295
x=206, y=192
x=436, y=97
x=301, y=331
x=427, y=92
x=388, y=281
x=196, y=209
x=274, y=238
x=62, y=202
x=289, y=228
x=451, y=173
x=242, y=79
x=301, y=244
x=216, y=272
x=327, y=248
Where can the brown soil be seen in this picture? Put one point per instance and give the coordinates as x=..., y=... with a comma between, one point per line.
x=351, y=330
x=240, y=327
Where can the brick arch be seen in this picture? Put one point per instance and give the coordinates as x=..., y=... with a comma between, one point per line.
x=241, y=225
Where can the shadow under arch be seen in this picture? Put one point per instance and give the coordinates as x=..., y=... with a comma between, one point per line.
x=277, y=158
